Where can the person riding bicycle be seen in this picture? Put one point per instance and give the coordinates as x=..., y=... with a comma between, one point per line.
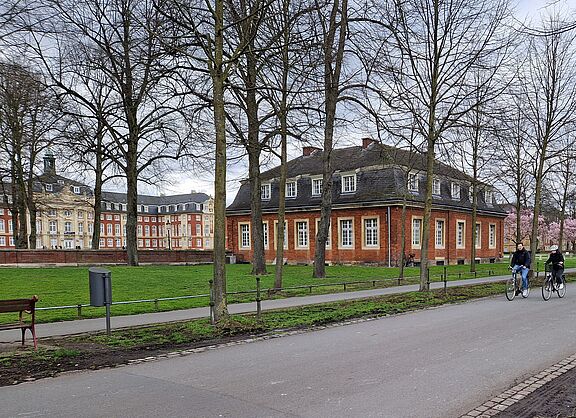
x=521, y=262
x=556, y=261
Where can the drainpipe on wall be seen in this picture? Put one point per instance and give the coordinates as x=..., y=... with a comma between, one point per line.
x=389, y=236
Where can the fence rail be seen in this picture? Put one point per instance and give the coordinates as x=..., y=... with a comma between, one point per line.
x=436, y=277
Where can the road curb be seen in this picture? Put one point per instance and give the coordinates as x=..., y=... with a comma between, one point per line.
x=521, y=390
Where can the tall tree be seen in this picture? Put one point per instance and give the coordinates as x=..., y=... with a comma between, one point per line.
x=202, y=29
x=549, y=91
x=136, y=60
x=433, y=46
x=333, y=32
x=29, y=117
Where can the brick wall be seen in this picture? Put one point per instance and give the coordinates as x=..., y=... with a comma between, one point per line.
x=359, y=252
x=85, y=257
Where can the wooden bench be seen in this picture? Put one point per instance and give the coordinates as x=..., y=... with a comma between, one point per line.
x=21, y=306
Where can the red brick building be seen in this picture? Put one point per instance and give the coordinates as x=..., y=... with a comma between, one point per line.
x=370, y=184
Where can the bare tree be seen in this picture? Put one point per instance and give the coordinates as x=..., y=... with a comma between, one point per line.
x=202, y=31
x=333, y=32
x=135, y=60
x=548, y=90
x=433, y=46
x=29, y=116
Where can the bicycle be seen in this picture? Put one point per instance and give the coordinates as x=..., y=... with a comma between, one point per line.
x=514, y=286
x=550, y=286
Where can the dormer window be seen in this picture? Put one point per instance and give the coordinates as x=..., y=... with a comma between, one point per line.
x=124, y=207
x=77, y=189
x=413, y=182
x=349, y=183
x=291, y=189
x=489, y=197
x=145, y=209
x=60, y=181
x=316, y=187
x=108, y=206
x=265, y=192
x=455, y=191
x=48, y=187
x=436, y=187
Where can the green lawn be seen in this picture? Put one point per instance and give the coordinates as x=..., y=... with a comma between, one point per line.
x=69, y=285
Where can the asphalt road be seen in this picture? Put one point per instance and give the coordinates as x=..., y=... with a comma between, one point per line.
x=434, y=363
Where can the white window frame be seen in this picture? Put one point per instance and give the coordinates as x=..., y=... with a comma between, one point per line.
x=329, y=240
x=48, y=187
x=413, y=182
x=460, y=234
x=436, y=186
x=301, y=234
x=317, y=184
x=347, y=185
x=67, y=226
x=244, y=237
x=455, y=190
x=77, y=189
x=374, y=232
x=442, y=243
x=342, y=230
x=291, y=192
x=416, y=239
x=489, y=197
x=265, y=191
x=53, y=227
x=492, y=236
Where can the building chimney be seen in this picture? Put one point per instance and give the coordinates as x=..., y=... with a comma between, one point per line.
x=309, y=150
x=366, y=142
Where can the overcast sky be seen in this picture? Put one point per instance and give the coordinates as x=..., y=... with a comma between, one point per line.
x=186, y=182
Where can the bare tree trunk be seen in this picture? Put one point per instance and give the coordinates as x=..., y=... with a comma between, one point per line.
x=337, y=33
x=132, y=205
x=218, y=79
x=566, y=174
x=403, y=238
x=282, y=201
x=99, y=174
x=430, y=159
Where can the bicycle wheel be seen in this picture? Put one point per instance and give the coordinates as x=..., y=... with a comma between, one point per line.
x=527, y=293
x=547, y=288
x=562, y=292
x=511, y=288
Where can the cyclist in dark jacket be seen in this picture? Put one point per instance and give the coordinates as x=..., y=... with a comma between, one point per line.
x=521, y=262
x=556, y=261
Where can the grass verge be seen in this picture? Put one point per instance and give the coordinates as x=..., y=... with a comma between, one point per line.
x=98, y=350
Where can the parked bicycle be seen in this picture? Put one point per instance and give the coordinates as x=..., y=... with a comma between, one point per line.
x=550, y=285
x=514, y=286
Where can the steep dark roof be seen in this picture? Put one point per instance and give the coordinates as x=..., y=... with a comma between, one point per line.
x=352, y=158
x=156, y=201
x=59, y=183
x=380, y=179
